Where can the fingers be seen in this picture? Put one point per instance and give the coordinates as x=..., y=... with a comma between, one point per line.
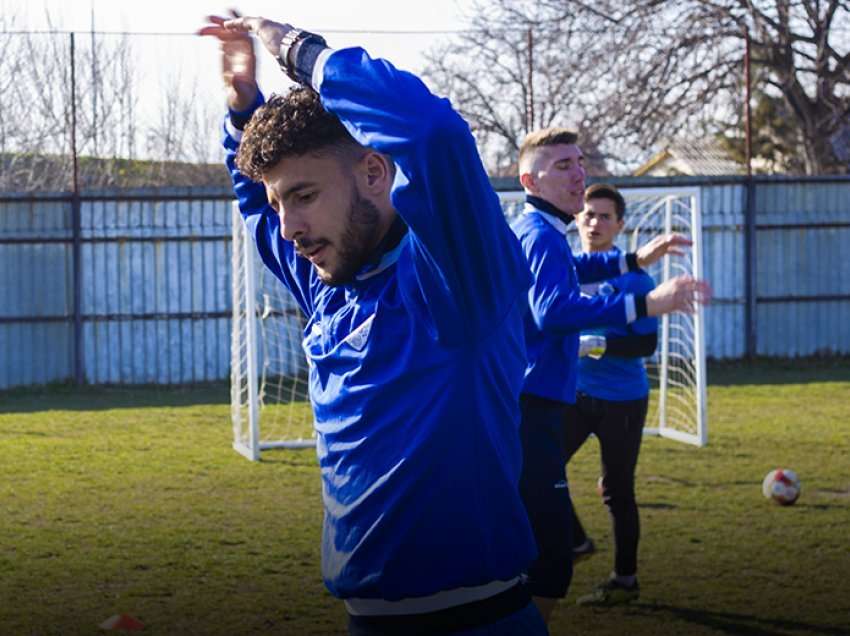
x=232, y=28
x=703, y=292
x=244, y=24
x=677, y=239
x=693, y=292
x=681, y=294
x=217, y=28
x=221, y=33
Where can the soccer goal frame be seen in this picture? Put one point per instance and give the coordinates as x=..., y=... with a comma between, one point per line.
x=679, y=405
x=269, y=397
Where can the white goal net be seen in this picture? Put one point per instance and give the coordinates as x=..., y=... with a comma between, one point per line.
x=678, y=408
x=269, y=402
x=270, y=406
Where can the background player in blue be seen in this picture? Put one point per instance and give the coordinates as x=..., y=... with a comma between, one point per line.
x=368, y=200
x=551, y=167
x=612, y=398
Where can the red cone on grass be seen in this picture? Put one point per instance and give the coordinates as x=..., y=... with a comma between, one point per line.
x=122, y=622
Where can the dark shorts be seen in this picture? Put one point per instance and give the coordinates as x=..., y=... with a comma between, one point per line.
x=546, y=494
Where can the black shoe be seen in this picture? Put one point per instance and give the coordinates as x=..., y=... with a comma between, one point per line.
x=584, y=551
x=609, y=593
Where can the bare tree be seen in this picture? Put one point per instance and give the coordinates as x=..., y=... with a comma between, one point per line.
x=487, y=71
x=636, y=72
x=115, y=145
x=182, y=130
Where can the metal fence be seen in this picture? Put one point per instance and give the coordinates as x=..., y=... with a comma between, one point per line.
x=134, y=286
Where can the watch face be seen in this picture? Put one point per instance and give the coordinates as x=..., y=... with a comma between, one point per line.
x=289, y=38
x=288, y=43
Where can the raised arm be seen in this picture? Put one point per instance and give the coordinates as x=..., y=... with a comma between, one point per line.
x=465, y=252
x=238, y=71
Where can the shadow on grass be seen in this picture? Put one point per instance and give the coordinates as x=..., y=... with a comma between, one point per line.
x=650, y=505
x=821, y=506
x=779, y=371
x=69, y=397
x=740, y=624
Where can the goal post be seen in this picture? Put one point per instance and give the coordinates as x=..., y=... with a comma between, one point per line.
x=269, y=401
x=677, y=371
x=270, y=406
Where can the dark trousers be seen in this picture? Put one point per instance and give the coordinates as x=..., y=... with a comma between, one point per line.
x=619, y=428
x=546, y=495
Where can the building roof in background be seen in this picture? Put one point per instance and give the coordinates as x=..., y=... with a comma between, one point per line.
x=692, y=158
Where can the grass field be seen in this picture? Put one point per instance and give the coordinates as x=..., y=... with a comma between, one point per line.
x=117, y=500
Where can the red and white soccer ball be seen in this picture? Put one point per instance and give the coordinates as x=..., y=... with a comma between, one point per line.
x=782, y=486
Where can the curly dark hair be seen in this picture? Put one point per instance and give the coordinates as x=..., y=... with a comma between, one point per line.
x=289, y=125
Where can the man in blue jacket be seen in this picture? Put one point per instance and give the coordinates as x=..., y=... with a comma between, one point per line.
x=368, y=200
x=612, y=398
x=551, y=167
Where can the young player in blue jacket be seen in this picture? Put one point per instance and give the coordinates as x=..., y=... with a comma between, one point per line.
x=612, y=398
x=551, y=167
x=368, y=200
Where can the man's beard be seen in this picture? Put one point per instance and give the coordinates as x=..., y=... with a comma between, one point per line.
x=359, y=238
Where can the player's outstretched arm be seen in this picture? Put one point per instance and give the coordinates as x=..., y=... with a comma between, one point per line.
x=596, y=266
x=239, y=75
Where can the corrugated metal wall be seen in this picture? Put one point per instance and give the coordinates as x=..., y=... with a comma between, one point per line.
x=36, y=287
x=155, y=292
x=155, y=281
x=803, y=268
x=723, y=263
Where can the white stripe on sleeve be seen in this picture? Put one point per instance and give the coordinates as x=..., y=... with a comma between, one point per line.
x=319, y=69
x=631, y=310
x=232, y=130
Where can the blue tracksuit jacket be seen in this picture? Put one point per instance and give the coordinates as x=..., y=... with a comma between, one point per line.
x=416, y=366
x=558, y=309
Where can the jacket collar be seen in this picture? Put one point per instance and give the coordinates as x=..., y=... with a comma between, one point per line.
x=387, y=251
x=558, y=219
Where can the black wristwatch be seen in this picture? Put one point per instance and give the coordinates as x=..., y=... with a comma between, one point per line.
x=285, y=56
